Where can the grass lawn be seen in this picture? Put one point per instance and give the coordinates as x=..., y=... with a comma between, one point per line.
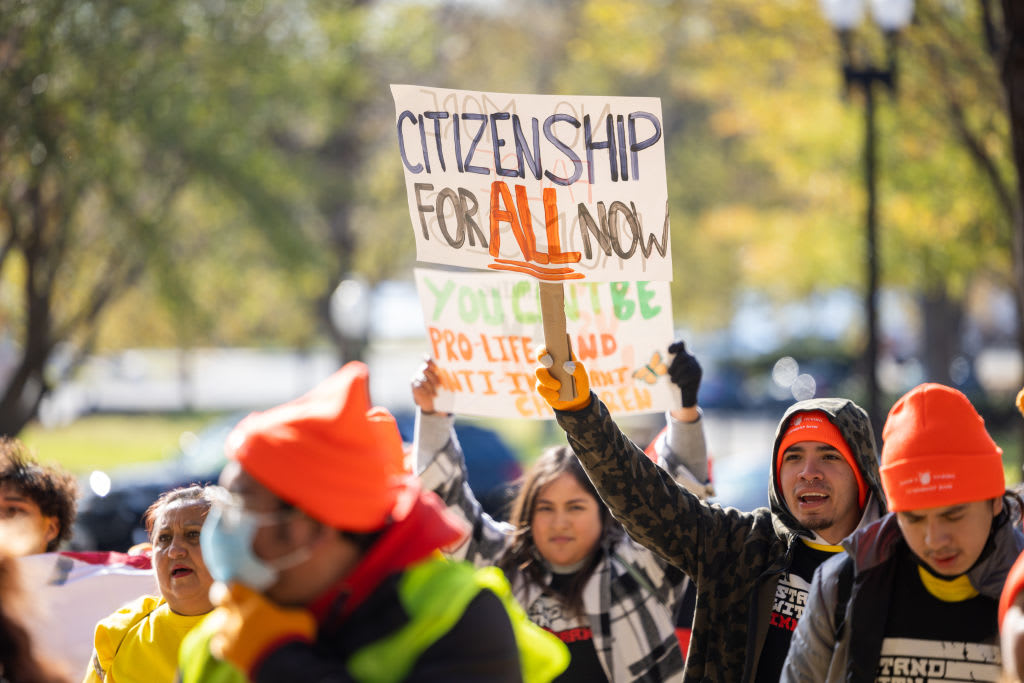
x=103, y=441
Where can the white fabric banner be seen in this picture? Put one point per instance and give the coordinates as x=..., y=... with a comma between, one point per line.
x=73, y=591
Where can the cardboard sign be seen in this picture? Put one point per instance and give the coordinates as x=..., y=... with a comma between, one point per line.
x=560, y=188
x=483, y=329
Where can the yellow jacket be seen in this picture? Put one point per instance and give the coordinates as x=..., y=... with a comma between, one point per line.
x=139, y=642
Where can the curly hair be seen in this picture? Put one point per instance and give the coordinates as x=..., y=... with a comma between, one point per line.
x=195, y=492
x=521, y=555
x=51, y=487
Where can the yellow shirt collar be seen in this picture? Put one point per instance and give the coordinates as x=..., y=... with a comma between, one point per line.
x=822, y=546
x=947, y=590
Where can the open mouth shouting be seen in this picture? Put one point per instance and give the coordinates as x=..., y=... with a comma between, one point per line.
x=812, y=500
x=181, y=571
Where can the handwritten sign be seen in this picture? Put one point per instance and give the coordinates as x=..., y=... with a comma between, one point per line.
x=559, y=188
x=482, y=329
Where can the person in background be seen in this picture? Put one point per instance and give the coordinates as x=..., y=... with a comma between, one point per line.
x=570, y=564
x=20, y=659
x=326, y=550
x=752, y=570
x=37, y=502
x=70, y=591
x=140, y=641
x=916, y=593
x=1011, y=623
x=1011, y=611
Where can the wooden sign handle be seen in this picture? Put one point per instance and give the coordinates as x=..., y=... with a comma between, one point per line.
x=552, y=310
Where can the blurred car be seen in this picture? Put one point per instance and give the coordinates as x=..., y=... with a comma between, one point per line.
x=491, y=466
x=113, y=520
x=113, y=502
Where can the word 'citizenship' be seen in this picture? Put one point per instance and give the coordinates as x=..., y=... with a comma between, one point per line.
x=620, y=140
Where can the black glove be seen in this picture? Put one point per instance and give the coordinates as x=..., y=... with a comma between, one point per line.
x=685, y=372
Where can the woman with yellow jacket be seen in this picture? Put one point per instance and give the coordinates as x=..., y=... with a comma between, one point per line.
x=139, y=642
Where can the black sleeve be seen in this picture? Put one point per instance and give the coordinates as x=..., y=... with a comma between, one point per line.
x=480, y=647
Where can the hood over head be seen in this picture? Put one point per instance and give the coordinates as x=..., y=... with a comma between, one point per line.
x=853, y=424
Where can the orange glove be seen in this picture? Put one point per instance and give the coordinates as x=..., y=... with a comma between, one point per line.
x=250, y=626
x=548, y=386
x=1020, y=401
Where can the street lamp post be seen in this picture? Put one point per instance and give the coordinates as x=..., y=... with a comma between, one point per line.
x=860, y=72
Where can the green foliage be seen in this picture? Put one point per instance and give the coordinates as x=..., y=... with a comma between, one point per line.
x=188, y=172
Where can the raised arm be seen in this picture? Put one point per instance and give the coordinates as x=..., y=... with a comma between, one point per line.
x=654, y=509
x=441, y=467
x=681, y=448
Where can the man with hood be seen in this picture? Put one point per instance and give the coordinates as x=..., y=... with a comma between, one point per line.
x=326, y=553
x=752, y=569
x=916, y=595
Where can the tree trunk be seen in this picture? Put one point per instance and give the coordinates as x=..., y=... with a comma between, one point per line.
x=1012, y=69
x=23, y=393
x=942, y=322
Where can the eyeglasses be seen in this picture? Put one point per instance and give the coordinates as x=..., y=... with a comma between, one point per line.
x=232, y=510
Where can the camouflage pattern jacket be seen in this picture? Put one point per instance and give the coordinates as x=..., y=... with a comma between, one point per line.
x=633, y=595
x=735, y=557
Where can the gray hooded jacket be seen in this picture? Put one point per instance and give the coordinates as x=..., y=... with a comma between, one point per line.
x=815, y=655
x=735, y=558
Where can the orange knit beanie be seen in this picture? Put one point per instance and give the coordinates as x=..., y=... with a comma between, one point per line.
x=815, y=425
x=328, y=452
x=936, y=452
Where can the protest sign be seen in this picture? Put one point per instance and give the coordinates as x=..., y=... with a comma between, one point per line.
x=560, y=188
x=482, y=329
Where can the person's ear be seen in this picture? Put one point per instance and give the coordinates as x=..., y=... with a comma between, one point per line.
x=52, y=529
x=997, y=506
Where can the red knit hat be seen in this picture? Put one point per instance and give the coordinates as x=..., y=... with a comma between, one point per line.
x=1014, y=582
x=815, y=425
x=936, y=452
x=328, y=452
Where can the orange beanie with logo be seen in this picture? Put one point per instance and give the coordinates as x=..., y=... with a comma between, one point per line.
x=936, y=452
x=328, y=452
x=815, y=425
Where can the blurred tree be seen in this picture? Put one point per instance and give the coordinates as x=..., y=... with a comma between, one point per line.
x=764, y=159
x=187, y=172
x=950, y=174
x=117, y=117
x=1008, y=48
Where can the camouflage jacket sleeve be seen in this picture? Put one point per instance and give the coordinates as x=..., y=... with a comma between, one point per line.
x=657, y=512
x=441, y=467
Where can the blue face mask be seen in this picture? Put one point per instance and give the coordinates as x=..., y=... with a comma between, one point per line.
x=226, y=542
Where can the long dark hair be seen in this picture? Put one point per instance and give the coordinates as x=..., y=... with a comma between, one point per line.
x=20, y=660
x=521, y=555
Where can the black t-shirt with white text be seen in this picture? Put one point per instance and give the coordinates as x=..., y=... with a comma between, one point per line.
x=788, y=607
x=928, y=640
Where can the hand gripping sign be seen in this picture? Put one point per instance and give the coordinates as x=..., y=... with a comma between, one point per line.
x=559, y=188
